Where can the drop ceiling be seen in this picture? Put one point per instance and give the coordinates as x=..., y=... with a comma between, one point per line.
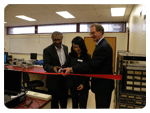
x=45, y=13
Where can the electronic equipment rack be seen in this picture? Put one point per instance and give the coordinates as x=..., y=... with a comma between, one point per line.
x=131, y=90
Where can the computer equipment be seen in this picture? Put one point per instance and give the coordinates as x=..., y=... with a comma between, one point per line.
x=12, y=82
x=11, y=102
x=5, y=56
x=17, y=62
x=6, y=62
x=9, y=57
x=33, y=56
x=27, y=64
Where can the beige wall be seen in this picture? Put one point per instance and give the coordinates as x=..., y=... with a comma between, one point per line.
x=137, y=41
x=121, y=41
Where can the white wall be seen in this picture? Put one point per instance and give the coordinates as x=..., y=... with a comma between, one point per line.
x=121, y=41
x=137, y=41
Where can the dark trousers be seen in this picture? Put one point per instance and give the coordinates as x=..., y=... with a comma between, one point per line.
x=103, y=100
x=79, y=97
x=59, y=96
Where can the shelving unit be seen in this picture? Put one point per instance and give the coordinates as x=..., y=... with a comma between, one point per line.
x=131, y=90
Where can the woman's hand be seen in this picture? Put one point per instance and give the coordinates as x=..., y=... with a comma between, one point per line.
x=80, y=87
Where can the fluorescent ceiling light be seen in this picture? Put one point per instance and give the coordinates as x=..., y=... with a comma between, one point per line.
x=117, y=11
x=25, y=18
x=65, y=14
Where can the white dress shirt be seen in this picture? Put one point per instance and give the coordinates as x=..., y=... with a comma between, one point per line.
x=99, y=40
x=61, y=55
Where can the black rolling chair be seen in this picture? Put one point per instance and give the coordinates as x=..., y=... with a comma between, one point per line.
x=31, y=84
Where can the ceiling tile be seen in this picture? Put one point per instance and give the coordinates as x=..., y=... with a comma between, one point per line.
x=85, y=6
x=83, y=19
x=69, y=7
x=73, y=20
x=45, y=13
x=77, y=13
x=116, y=19
x=55, y=7
x=117, y=5
x=125, y=18
x=89, y=13
x=101, y=6
x=105, y=18
x=41, y=8
x=103, y=12
x=95, y=19
x=128, y=10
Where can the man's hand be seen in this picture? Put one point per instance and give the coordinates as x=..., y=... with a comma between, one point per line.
x=56, y=68
x=80, y=87
x=67, y=70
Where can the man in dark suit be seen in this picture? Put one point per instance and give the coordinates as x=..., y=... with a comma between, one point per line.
x=101, y=63
x=55, y=56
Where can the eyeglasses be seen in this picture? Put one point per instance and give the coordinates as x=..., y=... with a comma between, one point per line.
x=57, y=39
x=91, y=33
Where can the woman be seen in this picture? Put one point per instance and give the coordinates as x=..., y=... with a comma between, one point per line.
x=79, y=85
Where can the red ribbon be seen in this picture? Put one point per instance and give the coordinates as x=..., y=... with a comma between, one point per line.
x=40, y=70
x=113, y=77
x=105, y=76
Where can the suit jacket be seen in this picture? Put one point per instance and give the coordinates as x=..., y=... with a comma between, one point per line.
x=75, y=81
x=101, y=63
x=51, y=59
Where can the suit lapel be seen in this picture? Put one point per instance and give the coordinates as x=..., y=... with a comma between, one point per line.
x=101, y=42
x=55, y=54
x=65, y=50
x=97, y=46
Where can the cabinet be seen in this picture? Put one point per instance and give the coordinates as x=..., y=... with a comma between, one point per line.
x=131, y=90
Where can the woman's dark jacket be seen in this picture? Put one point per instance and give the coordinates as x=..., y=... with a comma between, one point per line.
x=72, y=80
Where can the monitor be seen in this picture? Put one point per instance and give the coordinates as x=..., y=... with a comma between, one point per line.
x=33, y=56
x=12, y=82
x=5, y=57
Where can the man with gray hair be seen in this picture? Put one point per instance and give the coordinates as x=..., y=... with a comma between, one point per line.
x=54, y=56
